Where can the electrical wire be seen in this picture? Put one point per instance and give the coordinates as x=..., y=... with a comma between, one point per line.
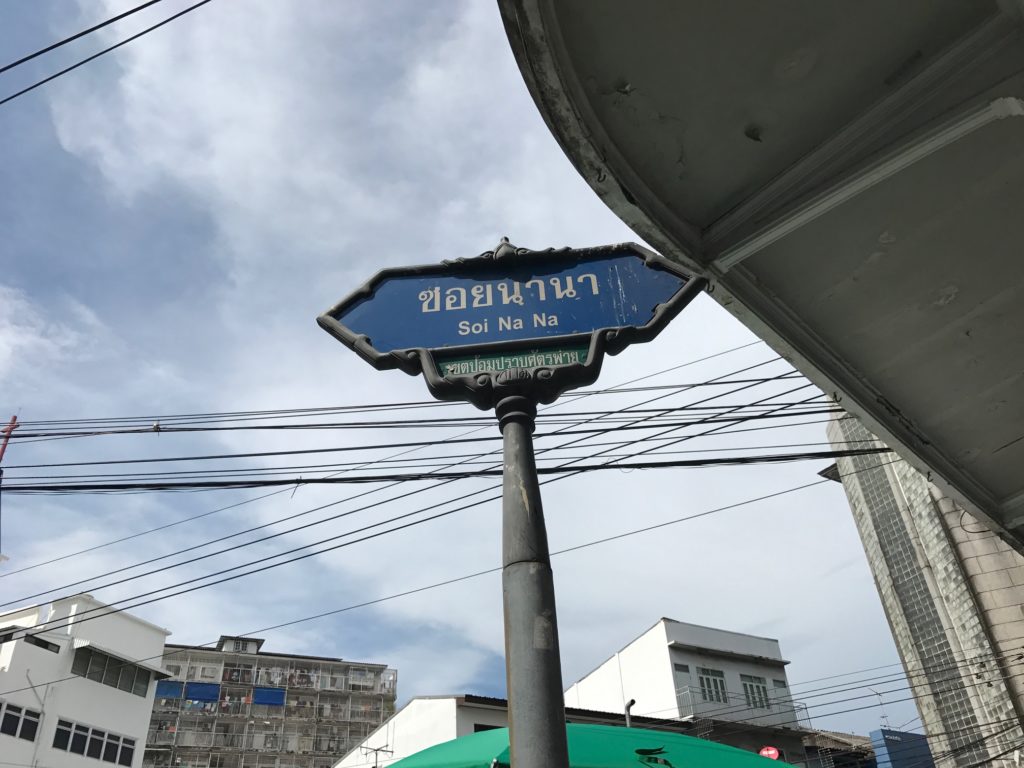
x=76, y=36
x=423, y=443
x=569, y=398
x=432, y=461
x=409, y=464
x=107, y=50
x=466, y=577
x=420, y=423
x=83, y=617
x=156, y=424
x=190, y=485
x=345, y=514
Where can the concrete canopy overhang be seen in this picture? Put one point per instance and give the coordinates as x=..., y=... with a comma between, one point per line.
x=850, y=177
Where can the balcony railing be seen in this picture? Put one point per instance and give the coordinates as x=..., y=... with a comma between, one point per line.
x=159, y=738
x=775, y=710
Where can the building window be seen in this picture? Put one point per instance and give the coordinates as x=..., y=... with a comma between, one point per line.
x=780, y=684
x=38, y=642
x=174, y=669
x=92, y=742
x=712, y=684
x=755, y=691
x=62, y=736
x=109, y=670
x=237, y=673
x=78, y=740
x=681, y=668
x=240, y=645
x=20, y=722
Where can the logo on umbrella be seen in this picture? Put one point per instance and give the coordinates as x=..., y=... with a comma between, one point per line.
x=650, y=757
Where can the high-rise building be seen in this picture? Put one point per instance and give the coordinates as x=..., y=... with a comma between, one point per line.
x=77, y=683
x=954, y=596
x=238, y=706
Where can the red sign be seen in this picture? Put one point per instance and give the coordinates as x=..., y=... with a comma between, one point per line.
x=769, y=752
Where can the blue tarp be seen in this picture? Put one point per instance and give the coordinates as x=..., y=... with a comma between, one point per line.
x=272, y=696
x=202, y=691
x=168, y=689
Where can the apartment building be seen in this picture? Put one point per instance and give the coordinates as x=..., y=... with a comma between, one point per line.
x=238, y=706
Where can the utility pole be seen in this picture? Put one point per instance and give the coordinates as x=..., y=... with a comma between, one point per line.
x=6, y=431
x=533, y=671
x=376, y=753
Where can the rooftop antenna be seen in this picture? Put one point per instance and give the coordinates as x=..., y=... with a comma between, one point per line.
x=881, y=706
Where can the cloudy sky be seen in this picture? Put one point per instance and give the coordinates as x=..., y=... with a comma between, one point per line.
x=175, y=215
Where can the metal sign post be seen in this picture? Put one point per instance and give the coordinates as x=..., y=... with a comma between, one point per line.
x=507, y=330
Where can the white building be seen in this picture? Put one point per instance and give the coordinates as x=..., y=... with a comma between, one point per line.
x=80, y=691
x=679, y=670
x=723, y=686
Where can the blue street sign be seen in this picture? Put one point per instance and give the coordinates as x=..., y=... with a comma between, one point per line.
x=499, y=303
x=512, y=320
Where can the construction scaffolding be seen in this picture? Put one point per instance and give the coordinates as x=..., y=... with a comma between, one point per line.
x=247, y=709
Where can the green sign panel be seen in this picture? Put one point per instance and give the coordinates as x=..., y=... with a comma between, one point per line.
x=495, y=363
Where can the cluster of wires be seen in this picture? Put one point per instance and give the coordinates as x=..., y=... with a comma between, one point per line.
x=712, y=422
x=726, y=411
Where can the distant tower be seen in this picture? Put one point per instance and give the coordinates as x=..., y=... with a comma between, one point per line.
x=954, y=596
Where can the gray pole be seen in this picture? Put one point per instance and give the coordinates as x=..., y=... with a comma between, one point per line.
x=536, y=707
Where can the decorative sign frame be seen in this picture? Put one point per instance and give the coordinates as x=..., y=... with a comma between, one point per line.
x=539, y=367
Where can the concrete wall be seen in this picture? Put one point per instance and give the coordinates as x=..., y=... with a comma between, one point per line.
x=419, y=724
x=642, y=671
x=691, y=700
x=469, y=717
x=134, y=638
x=722, y=640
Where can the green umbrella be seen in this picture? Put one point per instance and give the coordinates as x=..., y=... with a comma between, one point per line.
x=593, y=746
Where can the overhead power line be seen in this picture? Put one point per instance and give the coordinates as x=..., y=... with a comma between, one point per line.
x=431, y=462
x=569, y=398
x=720, y=416
x=194, y=485
x=726, y=376
x=77, y=35
x=107, y=50
x=162, y=424
x=83, y=617
x=39, y=629
x=157, y=423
